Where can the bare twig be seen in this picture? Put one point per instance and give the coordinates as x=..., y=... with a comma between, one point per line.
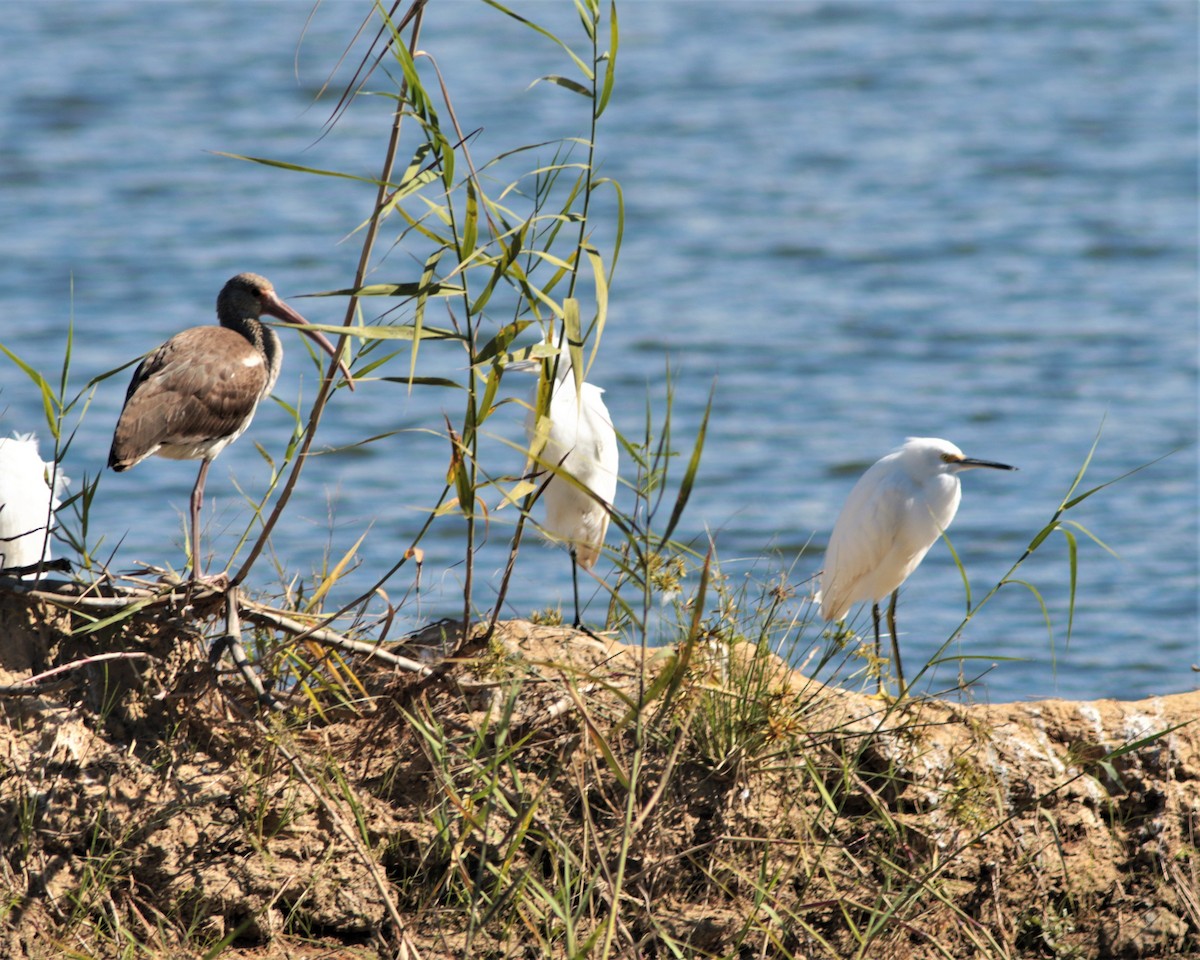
x=326, y=387
x=232, y=641
x=330, y=638
x=38, y=684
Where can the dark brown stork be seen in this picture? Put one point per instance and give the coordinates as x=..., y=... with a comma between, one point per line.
x=197, y=393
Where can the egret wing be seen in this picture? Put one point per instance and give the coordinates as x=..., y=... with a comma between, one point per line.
x=862, y=538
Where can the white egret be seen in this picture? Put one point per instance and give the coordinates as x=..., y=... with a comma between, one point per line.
x=581, y=446
x=894, y=514
x=27, y=502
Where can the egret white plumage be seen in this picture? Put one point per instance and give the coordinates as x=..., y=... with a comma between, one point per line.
x=29, y=494
x=581, y=445
x=197, y=393
x=894, y=514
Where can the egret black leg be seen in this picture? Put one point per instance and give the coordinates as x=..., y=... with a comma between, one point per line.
x=875, y=617
x=891, y=616
x=579, y=625
x=575, y=588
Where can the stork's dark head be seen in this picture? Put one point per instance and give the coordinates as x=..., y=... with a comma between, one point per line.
x=248, y=296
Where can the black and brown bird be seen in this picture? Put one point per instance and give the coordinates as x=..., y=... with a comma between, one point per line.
x=197, y=393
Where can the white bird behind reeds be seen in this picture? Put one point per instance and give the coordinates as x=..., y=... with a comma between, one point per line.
x=27, y=502
x=582, y=444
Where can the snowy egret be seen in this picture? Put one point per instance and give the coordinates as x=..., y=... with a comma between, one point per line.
x=27, y=502
x=581, y=445
x=894, y=514
x=197, y=393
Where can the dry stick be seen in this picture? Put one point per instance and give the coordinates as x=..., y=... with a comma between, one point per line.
x=330, y=638
x=359, y=80
x=1186, y=890
x=372, y=231
x=511, y=564
x=414, y=13
x=36, y=685
x=233, y=640
x=235, y=605
x=382, y=198
x=531, y=497
x=469, y=576
x=314, y=418
x=102, y=603
x=474, y=468
x=562, y=705
x=321, y=400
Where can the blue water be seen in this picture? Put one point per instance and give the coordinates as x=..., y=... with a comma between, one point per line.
x=863, y=220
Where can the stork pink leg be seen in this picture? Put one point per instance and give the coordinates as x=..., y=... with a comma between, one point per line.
x=197, y=502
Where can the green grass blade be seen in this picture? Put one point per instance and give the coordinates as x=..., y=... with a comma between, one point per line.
x=572, y=330
x=49, y=401
x=689, y=477
x=402, y=331
x=501, y=340
x=297, y=168
x=1091, y=536
x=1129, y=473
x=567, y=84
x=583, y=67
x=470, y=222
x=962, y=570
x=418, y=323
x=1073, y=562
x=1037, y=595
x=418, y=289
x=610, y=63
x=601, y=284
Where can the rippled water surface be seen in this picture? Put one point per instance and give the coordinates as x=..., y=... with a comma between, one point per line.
x=863, y=220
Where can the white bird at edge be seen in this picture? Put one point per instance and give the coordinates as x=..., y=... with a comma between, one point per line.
x=581, y=444
x=894, y=514
x=29, y=494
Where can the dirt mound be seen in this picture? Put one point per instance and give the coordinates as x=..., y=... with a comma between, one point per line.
x=552, y=793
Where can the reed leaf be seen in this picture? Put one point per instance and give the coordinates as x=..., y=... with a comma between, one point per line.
x=537, y=28
x=689, y=476
x=403, y=331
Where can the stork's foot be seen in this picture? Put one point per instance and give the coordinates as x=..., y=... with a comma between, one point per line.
x=209, y=585
x=585, y=629
x=216, y=582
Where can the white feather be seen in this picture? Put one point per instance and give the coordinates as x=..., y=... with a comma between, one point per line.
x=582, y=444
x=894, y=514
x=27, y=501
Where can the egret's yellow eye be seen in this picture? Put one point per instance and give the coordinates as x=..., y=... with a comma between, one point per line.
x=950, y=458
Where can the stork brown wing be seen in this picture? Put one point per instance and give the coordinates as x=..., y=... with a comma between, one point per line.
x=200, y=387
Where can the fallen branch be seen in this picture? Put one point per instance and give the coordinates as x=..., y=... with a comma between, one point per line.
x=232, y=641
x=331, y=638
x=38, y=684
